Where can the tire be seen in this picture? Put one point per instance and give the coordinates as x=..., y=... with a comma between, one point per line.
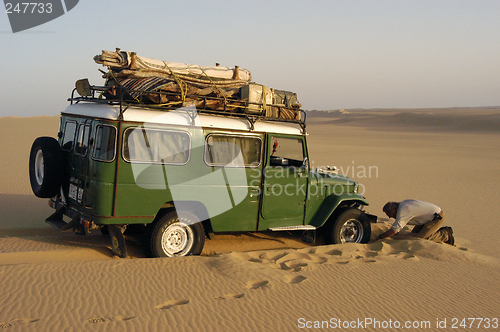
x=46, y=167
x=350, y=226
x=172, y=236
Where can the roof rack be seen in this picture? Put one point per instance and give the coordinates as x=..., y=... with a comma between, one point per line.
x=252, y=112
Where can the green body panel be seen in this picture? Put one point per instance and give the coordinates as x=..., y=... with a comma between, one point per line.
x=284, y=189
x=330, y=204
x=103, y=193
x=252, y=198
x=96, y=178
x=314, y=197
x=283, y=197
x=326, y=193
x=233, y=207
x=100, y=194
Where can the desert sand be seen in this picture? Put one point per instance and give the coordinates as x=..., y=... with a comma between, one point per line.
x=53, y=281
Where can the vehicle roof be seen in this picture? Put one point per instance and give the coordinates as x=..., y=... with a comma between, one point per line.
x=180, y=117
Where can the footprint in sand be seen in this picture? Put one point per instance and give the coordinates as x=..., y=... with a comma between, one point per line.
x=109, y=319
x=257, y=284
x=296, y=266
x=334, y=252
x=320, y=260
x=230, y=296
x=255, y=260
x=170, y=304
x=407, y=256
x=20, y=321
x=278, y=256
x=296, y=279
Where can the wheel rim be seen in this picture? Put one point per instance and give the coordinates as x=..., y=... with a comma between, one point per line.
x=39, y=173
x=352, y=231
x=177, y=240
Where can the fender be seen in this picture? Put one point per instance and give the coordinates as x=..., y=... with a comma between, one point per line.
x=330, y=205
x=193, y=206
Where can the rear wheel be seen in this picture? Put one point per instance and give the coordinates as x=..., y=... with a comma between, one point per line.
x=46, y=167
x=352, y=225
x=177, y=234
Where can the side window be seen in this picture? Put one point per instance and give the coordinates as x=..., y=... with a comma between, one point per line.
x=233, y=151
x=69, y=135
x=82, y=141
x=105, y=143
x=286, y=151
x=155, y=146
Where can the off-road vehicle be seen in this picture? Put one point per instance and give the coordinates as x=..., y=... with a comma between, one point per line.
x=176, y=174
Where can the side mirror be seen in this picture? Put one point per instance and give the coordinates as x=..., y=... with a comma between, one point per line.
x=305, y=164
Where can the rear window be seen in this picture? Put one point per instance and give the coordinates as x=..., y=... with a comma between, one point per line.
x=105, y=143
x=82, y=141
x=68, y=135
x=155, y=146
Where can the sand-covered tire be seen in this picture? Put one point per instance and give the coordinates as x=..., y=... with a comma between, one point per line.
x=352, y=225
x=176, y=234
x=46, y=167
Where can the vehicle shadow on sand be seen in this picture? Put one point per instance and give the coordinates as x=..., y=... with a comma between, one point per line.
x=23, y=230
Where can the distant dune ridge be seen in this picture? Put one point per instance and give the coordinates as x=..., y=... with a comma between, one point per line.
x=484, y=119
x=54, y=281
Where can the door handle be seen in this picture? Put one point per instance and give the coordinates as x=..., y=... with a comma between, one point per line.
x=254, y=194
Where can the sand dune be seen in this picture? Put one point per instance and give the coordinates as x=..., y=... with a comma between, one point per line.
x=258, y=290
x=479, y=120
x=54, y=281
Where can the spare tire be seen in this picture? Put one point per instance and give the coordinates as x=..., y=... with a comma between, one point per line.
x=46, y=167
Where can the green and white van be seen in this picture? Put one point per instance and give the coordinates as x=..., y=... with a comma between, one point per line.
x=175, y=176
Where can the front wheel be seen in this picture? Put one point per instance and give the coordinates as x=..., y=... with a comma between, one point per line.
x=352, y=225
x=177, y=234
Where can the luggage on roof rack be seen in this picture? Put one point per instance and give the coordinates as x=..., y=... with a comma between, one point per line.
x=130, y=64
x=219, y=90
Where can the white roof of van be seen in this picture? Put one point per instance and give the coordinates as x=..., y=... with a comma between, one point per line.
x=177, y=117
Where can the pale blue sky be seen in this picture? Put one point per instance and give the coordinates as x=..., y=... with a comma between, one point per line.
x=333, y=54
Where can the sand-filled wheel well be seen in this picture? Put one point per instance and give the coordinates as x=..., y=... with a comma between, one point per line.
x=347, y=224
x=174, y=233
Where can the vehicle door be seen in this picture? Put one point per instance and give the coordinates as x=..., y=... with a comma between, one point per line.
x=285, y=182
x=67, y=137
x=233, y=171
x=79, y=165
x=101, y=168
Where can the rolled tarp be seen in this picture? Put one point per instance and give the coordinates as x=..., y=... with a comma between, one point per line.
x=130, y=60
